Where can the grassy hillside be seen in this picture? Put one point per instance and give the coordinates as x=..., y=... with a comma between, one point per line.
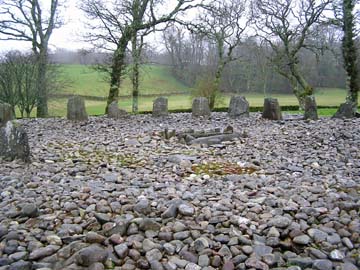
x=154, y=80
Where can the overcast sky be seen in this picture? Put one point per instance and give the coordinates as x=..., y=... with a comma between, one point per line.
x=68, y=36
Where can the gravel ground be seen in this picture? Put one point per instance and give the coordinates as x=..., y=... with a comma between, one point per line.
x=112, y=194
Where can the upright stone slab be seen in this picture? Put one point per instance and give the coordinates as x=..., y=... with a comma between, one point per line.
x=116, y=113
x=239, y=107
x=76, y=109
x=200, y=107
x=310, y=108
x=14, y=142
x=160, y=107
x=6, y=113
x=272, y=110
x=345, y=111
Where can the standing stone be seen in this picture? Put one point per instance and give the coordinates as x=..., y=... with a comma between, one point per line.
x=239, y=107
x=76, y=109
x=14, y=142
x=160, y=107
x=200, y=107
x=310, y=108
x=272, y=110
x=345, y=110
x=114, y=111
x=6, y=113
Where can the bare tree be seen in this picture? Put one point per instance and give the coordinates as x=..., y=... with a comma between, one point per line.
x=187, y=53
x=224, y=23
x=116, y=22
x=34, y=22
x=286, y=25
x=18, y=81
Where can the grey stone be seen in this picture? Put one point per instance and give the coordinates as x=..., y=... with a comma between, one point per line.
x=256, y=263
x=310, y=108
x=337, y=255
x=14, y=142
x=20, y=265
x=70, y=229
x=302, y=239
x=143, y=207
x=160, y=107
x=346, y=110
x=102, y=218
x=348, y=266
x=204, y=260
x=303, y=262
x=280, y=222
x=225, y=252
x=181, y=235
x=155, y=265
x=200, y=107
x=153, y=255
x=170, y=266
x=200, y=244
x=76, y=110
x=192, y=266
x=43, y=252
x=121, y=250
x=3, y=231
x=29, y=210
x=6, y=114
x=169, y=249
x=89, y=255
x=228, y=265
x=333, y=239
x=239, y=107
x=170, y=212
x=17, y=256
x=97, y=266
x=239, y=259
x=116, y=113
x=272, y=110
x=142, y=264
x=93, y=238
x=261, y=250
x=179, y=262
x=317, y=235
x=322, y=265
x=149, y=245
x=189, y=256
x=186, y=209
x=148, y=224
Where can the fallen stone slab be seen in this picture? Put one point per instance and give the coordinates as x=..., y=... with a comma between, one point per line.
x=217, y=139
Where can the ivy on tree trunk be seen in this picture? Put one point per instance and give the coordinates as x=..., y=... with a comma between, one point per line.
x=349, y=52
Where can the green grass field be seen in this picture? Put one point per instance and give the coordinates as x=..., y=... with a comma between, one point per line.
x=154, y=80
x=157, y=81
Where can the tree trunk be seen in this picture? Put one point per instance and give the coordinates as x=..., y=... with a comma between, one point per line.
x=301, y=87
x=117, y=69
x=349, y=53
x=217, y=81
x=135, y=74
x=42, y=102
